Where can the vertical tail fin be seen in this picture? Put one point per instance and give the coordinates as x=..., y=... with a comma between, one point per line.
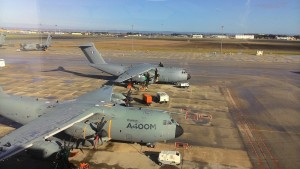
x=92, y=54
x=48, y=42
x=2, y=38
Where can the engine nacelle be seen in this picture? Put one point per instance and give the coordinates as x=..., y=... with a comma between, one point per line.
x=143, y=77
x=118, y=98
x=43, y=149
x=80, y=130
x=139, y=78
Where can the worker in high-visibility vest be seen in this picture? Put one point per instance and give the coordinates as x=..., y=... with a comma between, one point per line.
x=84, y=166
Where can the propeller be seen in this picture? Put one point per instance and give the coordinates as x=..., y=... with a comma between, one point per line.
x=62, y=156
x=148, y=79
x=150, y=76
x=156, y=75
x=100, y=132
x=128, y=99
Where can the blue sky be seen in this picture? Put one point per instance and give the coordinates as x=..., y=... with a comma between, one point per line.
x=237, y=16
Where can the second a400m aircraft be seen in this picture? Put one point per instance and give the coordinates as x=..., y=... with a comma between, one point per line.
x=89, y=119
x=140, y=73
x=36, y=46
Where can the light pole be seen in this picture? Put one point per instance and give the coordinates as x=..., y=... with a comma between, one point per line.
x=132, y=39
x=222, y=40
x=41, y=33
x=162, y=30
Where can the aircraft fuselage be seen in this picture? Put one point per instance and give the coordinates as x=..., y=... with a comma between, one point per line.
x=122, y=123
x=165, y=74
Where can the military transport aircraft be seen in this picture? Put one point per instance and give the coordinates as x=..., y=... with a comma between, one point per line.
x=2, y=39
x=36, y=46
x=140, y=73
x=89, y=119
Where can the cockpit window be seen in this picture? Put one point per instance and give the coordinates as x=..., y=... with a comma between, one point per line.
x=168, y=122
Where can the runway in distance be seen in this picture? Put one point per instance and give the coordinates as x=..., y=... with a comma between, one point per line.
x=37, y=46
x=139, y=73
x=2, y=39
x=88, y=120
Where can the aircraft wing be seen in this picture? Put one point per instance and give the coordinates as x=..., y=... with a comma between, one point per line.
x=51, y=123
x=134, y=71
x=98, y=96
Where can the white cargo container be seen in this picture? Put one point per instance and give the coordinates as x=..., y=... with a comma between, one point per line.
x=183, y=84
x=2, y=63
x=169, y=158
x=162, y=97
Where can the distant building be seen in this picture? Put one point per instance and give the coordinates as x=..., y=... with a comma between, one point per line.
x=285, y=38
x=59, y=33
x=28, y=32
x=244, y=36
x=76, y=33
x=220, y=36
x=197, y=36
x=134, y=35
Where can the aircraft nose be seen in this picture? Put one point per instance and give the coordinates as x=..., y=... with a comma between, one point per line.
x=188, y=76
x=179, y=131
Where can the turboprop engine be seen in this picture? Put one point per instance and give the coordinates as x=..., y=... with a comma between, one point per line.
x=80, y=130
x=92, y=130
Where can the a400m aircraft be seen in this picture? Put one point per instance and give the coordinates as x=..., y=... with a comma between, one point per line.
x=88, y=119
x=36, y=46
x=140, y=73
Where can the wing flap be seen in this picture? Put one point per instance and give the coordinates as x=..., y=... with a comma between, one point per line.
x=134, y=71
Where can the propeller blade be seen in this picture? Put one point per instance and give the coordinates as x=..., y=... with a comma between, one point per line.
x=102, y=119
x=156, y=75
x=100, y=126
x=96, y=140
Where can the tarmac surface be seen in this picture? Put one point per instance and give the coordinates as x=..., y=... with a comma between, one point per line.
x=254, y=102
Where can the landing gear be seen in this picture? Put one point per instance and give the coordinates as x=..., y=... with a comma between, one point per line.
x=150, y=145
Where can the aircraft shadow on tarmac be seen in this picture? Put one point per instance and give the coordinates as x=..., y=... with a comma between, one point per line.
x=10, y=123
x=62, y=69
x=152, y=155
x=296, y=72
